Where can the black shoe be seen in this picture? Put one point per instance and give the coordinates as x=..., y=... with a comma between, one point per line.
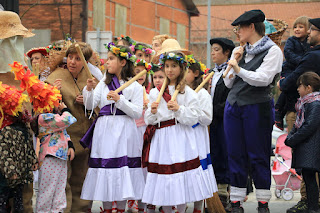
x=263, y=208
x=300, y=207
x=236, y=208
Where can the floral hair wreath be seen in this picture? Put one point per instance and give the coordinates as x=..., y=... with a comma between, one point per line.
x=126, y=38
x=172, y=56
x=141, y=62
x=121, y=52
x=147, y=50
x=192, y=60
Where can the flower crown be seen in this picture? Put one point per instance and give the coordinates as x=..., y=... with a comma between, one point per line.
x=145, y=49
x=192, y=60
x=141, y=62
x=155, y=67
x=172, y=56
x=126, y=38
x=121, y=52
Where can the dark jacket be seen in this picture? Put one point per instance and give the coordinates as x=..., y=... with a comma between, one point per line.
x=293, y=53
x=305, y=141
x=219, y=100
x=309, y=62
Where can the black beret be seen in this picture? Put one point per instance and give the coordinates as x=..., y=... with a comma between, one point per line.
x=223, y=42
x=252, y=16
x=315, y=22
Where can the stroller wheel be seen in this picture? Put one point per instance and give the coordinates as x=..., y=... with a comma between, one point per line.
x=277, y=193
x=287, y=194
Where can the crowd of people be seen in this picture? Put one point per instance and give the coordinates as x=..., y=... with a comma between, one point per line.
x=166, y=138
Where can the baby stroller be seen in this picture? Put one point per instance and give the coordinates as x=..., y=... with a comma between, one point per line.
x=287, y=180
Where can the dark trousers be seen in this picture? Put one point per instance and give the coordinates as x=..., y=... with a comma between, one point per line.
x=248, y=134
x=309, y=177
x=218, y=151
x=280, y=106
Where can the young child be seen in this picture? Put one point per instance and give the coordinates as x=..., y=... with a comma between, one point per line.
x=142, y=51
x=141, y=65
x=55, y=148
x=115, y=172
x=304, y=138
x=194, y=78
x=124, y=41
x=296, y=46
x=175, y=176
x=17, y=156
x=158, y=76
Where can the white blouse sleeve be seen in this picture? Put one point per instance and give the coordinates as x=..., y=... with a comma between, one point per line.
x=189, y=110
x=264, y=75
x=91, y=99
x=134, y=107
x=149, y=118
x=205, y=105
x=95, y=71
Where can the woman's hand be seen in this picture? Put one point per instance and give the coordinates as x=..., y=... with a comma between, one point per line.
x=57, y=83
x=35, y=167
x=79, y=99
x=235, y=65
x=154, y=107
x=71, y=153
x=91, y=84
x=173, y=105
x=112, y=95
x=14, y=177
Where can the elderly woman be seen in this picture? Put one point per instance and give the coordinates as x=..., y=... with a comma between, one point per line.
x=71, y=82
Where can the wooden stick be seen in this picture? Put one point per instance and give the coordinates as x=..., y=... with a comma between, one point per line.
x=144, y=93
x=214, y=204
x=125, y=85
x=163, y=87
x=37, y=70
x=85, y=65
x=236, y=56
x=175, y=94
x=204, y=82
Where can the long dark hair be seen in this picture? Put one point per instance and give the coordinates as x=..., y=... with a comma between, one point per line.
x=195, y=68
x=181, y=78
x=127, y=70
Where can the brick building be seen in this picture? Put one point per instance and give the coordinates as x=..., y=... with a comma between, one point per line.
x=139, y=19
x=223, y=12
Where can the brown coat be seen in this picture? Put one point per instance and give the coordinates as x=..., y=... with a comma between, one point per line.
x=69, y=92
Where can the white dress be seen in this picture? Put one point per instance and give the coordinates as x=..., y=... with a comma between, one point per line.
x=203, y=140
x=115, y=137
x=172, y=147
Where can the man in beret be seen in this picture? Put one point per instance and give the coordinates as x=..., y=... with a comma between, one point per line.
x=309, y=62
x=249, y=110
x=221, y=49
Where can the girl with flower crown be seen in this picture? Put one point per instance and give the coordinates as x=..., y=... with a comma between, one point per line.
x=115, y=172
x=142, y=51
x=170, y=153
x=194, y=79
x=141, y=65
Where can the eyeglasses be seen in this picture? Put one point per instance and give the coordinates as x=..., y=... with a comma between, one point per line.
x=313, y=29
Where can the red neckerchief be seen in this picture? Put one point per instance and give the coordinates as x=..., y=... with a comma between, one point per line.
x=166, y=95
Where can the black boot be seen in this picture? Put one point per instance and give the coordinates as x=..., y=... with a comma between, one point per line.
x=263, y=208
x=4, y=198
x=236, y=207
x=278, y=119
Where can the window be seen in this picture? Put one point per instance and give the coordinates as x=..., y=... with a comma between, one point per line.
x=121, y=20
x=99, y=14
x=164, y=26
x=181, y=35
